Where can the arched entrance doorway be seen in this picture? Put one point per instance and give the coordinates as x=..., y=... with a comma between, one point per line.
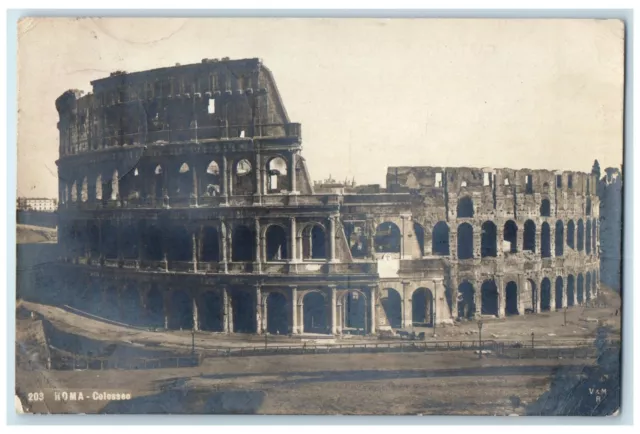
x=277, y=316
x=489, y=295
x=315, y=317
x=392, y=305
x=422, y=307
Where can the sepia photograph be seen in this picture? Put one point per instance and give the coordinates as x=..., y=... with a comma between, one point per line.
x=319, y=216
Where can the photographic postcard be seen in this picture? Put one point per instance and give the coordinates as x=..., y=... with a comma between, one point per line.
x=319, y=216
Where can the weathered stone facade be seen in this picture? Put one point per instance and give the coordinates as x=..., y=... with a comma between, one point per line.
x=185, y=199
x=610, y=193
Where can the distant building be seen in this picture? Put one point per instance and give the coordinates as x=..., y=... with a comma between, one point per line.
x=37, y=204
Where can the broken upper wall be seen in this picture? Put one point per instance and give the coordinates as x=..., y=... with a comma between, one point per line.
x=218, y=98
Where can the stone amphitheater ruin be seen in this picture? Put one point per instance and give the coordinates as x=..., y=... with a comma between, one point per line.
x=185, y=203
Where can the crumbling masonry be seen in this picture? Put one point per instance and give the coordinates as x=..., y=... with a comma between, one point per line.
x=185, y=203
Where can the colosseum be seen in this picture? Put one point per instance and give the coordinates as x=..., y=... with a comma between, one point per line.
x=185, y=203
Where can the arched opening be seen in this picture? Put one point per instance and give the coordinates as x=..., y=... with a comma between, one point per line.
x=212, y=180
x=277, y=316
x=130, y=237
x=545, y=295
x=243, y=244
x=276, y=240
x=559, y=238
x=357, y=239
x=510, y=237
x=94, y=241
x=130, y=305
x=489, y=294
x=153, y=243
x=587, y=286
x=278, y=179
x=466, y=300
x=158, y=182
x=440, y=239
x=314, y=313
x=533, y=294
x=155, y=307
x=489, y=244
x=580, y=294
x=314, y=242
x=422, y=307
x=211, y=311
x=511, y=302
x=243, y=308
x=387, y=238
x=580, y=236
x=184, y=182
x=210, y=244
x=181, y=311
x=588, y=206
x=418, y=230
x=571, y=230
x=465, y=241
x=392, y=305
x=559, y=291
x=545, y=208
x=109, y=240
x=545, y=240
x=570, y=290
x=587, y=243
x=355, y=310
x=179, y=248
x=529, y=240
x=242, y=179
x=465, y=207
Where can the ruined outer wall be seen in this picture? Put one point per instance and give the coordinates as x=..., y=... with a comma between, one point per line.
x=610, y=193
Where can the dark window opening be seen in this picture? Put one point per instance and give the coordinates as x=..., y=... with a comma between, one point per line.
x=422, y=307
x=243, y=244
x=545, y=240
x=489, y=294
x=465, y=241
x=465, y=207
x=210, y=245
x=440, y=239
x=276, y=243
x=387, y=238
x=489, y=247
x=529, y=241
x=559, y=238
x=511, y=236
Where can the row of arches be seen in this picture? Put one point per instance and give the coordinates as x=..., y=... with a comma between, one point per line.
x=156, y=181
x=465, y=207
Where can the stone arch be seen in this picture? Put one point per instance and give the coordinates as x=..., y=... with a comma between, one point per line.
x=570, y=290
x=466, y=300
x=529, y=239
x=465, y=241
x=559, y=291
x=314, y=242
x=440, y=239
x=545, y=240
x=354, y=310
x=511, y=298
x=489, y=242
x=315, y=318
x=242, y=179
x=580, y=235
x=211, y=311
x=243, y=308
x=212, y=178
x=489, y=296
x=392, y=304
x=356, y=237
x=277, y=314
x=422, y=307
x=559, y=241
x=387, y=238
x=571, y=231
x=276, y=243
x=277, y=174
x=511, y=235
x=533, y=294
x=545, y=208
x=465, y=207
x=243, y=242
x=580, y=289
x=587, y=243
x=418, y=230
x=545, y=295
x=181, y=310
x=210, y=244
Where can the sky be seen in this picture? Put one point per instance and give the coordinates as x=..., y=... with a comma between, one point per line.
x=369, y=93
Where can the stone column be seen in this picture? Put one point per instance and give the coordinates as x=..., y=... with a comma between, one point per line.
x=194, y=250
x=293, y=311
x=552, y=295
x=538, y=291
x=166, y=299
x=292, y=172
x=196, y=189
x=453, y=281
x=334, y=325
x=225, y=180
x=258, y=308
x=292, y=239
x=453, y=241
x=522, y=286
x=552, y=239
x=265, y=299
x=227, y=311
x=372, y=306
x=407, y=320
x=499, y=278
x=196, y=322
x=258, y=246
x=332, y=239
x=477, y=297
x=223, y=237
x=538, y=238
x=259, y=172
x=564, y=291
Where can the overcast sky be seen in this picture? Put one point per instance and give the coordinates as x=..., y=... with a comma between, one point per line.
x=369, y=93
